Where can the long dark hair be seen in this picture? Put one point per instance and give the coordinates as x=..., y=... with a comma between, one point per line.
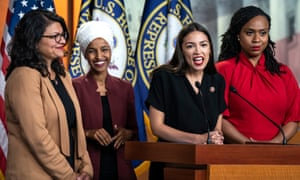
x=178, y=63
x=28, y=32
x=230, y=45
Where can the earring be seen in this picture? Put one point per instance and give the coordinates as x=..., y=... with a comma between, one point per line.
x=238, y=38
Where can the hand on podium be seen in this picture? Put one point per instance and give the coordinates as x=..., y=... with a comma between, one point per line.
x=215, y=137
x=253, y=141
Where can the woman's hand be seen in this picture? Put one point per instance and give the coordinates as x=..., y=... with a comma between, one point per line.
x=83, y=176
x=100, y=135
x=121, y=136
x=216, y=137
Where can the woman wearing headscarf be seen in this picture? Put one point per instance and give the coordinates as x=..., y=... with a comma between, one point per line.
x=107, y=104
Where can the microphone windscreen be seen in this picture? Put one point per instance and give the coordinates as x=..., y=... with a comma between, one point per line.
x=198, y=84
x=232, y=89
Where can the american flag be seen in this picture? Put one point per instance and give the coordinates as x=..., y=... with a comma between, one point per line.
x=16, y=10
x=168, y=17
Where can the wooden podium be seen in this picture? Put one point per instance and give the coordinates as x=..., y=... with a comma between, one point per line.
x=230, y=161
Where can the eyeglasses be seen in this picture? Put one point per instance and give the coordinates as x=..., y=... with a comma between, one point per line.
x=57, y=37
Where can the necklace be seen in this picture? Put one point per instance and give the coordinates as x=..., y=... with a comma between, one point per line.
x=54, y=81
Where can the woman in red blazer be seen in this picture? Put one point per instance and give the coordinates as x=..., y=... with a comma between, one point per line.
x=107, y=105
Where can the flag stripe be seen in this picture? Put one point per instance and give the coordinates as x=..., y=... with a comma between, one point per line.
x=4, y=60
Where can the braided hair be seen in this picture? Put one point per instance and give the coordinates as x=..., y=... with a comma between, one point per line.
x=230, y=45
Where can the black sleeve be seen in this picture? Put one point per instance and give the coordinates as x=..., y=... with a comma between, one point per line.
x=222, y=103
x=156, y=92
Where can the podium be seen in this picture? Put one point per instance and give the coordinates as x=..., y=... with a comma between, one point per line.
x=229, y=161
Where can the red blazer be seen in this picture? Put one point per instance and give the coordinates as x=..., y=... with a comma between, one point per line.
x=121, y=101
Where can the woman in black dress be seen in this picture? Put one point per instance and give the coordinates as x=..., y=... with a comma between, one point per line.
x=186, y=96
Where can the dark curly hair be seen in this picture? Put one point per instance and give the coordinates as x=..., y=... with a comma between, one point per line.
x=178, y=63
x=230, y=45
x=28, y=32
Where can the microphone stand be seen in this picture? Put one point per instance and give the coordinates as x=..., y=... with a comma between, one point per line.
x=284, y=141
x=198, y=85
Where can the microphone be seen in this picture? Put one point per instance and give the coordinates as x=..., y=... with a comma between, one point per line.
x=284, y=141
x=198, y=85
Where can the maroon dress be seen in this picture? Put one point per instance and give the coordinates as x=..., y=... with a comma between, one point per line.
x=122, y=108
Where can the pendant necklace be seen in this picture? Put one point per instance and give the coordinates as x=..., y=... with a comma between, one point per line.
x=54, y=81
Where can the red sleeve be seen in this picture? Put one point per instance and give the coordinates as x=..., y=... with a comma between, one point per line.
x=225, y=68
x=293, y=95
